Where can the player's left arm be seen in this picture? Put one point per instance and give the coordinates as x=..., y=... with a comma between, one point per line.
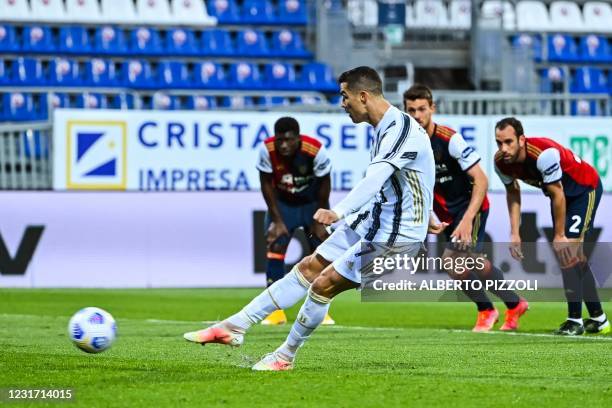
x=469, y=161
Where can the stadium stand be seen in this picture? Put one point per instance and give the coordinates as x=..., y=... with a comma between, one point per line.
x=144, y=46
x=533, y=16
x=234, y=47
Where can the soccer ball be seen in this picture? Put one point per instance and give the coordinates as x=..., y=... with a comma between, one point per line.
x=92, y=329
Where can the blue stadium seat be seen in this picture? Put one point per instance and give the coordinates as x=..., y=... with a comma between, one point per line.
x=584, y=108
x=35, y=144
x=172, y=74
x=226, y=11
x=5, y=73
x=257, y=12
x=244, y=75
x=562, y=48
x=237, y=102
x=318, y=77
x=552, y=80
x=589, y=80
x=64, y=72
x=18, y=106
x=610, y=81
x=137, y=74
x=292, y=12
x=99, y=72
x=8, y=39
x=252, y=43
x=110, y=41
x=38, y=39
x=145, y=41
x=91, y=101
x=27, y=72
x=280, y=76
x=122, y=101
x=286, y=43
x=74, y=40
x=270, y=101
x=59, y=100
x=201, y=102
x=180, y=41
x=208, y=75
x=529, y=42
x=165, y=102
x=217, y=43
x=594, y=48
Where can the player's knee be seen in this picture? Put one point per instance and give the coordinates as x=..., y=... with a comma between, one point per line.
x=310, y=268
x=323, y=286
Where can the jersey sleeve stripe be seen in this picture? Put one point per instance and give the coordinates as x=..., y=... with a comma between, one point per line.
x=401, y=139
x=472, y=165
x=311, y=146
x=444, y=132
x=397, y=210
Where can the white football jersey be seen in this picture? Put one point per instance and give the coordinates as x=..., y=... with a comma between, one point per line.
x=400, y=211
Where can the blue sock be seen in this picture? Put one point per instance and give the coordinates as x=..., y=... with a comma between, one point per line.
x=275, y=268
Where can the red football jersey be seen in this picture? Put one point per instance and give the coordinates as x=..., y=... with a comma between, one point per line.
x=548, y=162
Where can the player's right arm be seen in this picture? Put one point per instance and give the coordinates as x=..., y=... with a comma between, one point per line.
x=513, y=199
x=277, y=226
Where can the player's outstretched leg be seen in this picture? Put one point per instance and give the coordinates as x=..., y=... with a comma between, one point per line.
x=311, y=315
x=284, y=293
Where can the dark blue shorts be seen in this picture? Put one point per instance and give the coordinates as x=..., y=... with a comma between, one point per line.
x=294, y=217
x=478, y=231
x=580, y=212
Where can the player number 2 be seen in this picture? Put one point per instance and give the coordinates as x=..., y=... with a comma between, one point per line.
x=574, y=227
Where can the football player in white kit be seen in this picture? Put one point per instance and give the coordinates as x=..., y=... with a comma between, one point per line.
x=391, y=205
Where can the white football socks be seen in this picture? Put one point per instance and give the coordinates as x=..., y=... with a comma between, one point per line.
x=282, y=294
x=600, y=319
x=311, y=315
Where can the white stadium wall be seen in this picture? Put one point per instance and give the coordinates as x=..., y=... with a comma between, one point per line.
x=170, y=239
x=187, y=151
x=157, y=228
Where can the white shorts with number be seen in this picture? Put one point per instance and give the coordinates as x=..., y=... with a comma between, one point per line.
x=341, y=248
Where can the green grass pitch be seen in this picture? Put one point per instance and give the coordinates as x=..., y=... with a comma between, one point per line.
x=380, y=354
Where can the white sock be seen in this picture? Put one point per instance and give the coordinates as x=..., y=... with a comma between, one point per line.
x=600, y=319
x=282, y=294
x=311, y=315
x=579, y=321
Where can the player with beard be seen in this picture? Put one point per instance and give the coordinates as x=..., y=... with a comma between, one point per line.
x=574, y=189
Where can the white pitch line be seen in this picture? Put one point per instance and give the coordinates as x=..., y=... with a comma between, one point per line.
x=357, y=328
x=585, y=337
